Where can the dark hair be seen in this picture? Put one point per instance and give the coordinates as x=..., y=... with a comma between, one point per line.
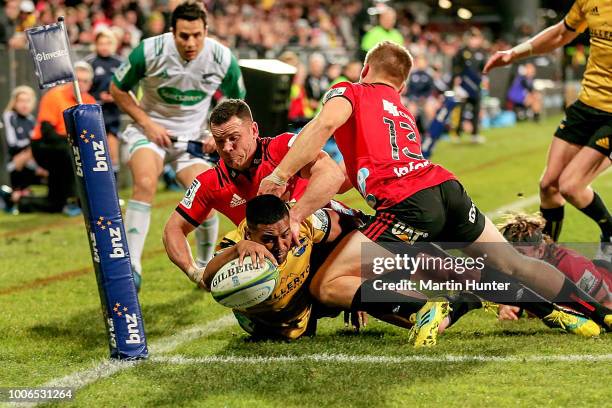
x=228, y=109
x=189, y=10
x=265, y=209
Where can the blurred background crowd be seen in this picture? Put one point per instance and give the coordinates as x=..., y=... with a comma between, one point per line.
x=326, y=41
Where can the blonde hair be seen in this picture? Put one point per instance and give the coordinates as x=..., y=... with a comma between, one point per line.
x=23, y=89
x=391, y=61
x=84, y=66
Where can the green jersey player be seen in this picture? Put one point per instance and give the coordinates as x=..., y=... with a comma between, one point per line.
x=178, y=73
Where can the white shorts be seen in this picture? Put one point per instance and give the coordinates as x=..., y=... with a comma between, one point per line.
x=176, y=155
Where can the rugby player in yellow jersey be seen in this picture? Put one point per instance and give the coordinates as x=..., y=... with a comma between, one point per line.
x=580, y=149
x=265, y=233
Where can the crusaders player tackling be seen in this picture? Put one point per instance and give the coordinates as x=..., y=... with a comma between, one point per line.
x=415, y=200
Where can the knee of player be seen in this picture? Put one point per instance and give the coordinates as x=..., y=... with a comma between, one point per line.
x=549, y=185
x=146, y=184
x=568, y=188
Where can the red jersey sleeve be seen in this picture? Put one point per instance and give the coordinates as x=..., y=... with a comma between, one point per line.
x=279, y=146
x=194, y=206
x=344, y=90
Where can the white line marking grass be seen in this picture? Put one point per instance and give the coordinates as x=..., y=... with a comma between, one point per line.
x=373, y=359
x=105, y=368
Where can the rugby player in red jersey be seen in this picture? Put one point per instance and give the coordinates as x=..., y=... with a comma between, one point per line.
x=415, y=200
x=593, y=276
x=245, y=160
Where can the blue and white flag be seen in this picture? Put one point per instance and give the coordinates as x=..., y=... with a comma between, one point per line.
x=51, y=54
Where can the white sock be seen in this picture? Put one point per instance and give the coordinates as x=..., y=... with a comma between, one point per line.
x=137, y=220
x=206, y=238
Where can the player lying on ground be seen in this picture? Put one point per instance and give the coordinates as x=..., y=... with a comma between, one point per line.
x=582, y=147
x=415, y=200
x=593, y=276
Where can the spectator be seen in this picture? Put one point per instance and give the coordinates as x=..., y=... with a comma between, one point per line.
x=420, y=93
x=104, y=63
x=522, y=94
x=51, y=149
x=9, y=20
x=467, y=70
x=299, y=109
x=384, y=31
x=317, y=82
x=19, y=125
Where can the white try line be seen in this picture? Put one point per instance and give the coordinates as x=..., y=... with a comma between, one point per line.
x=517, y=205
x=373, y=359
x=106, y=368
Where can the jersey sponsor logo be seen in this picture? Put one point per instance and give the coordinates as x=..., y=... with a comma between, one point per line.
x=123, y=70
x=472, y=214
x=190, y=194
x=334, y=92
x=395, y=111
x=407, y=233
x=402, y=171
x=175, y=96
x=236, y=201
x=320, y=220
x=594, y=11
x=587, y=281
x=299, y=250
x=362, y=175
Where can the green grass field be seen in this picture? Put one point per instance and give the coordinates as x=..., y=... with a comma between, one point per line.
x=52, y=332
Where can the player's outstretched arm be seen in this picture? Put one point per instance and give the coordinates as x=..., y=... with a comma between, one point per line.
x=307, y=145
x=544, y=42
x=324, y=180
x=177, y=247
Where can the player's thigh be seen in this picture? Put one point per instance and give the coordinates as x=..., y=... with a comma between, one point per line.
x=560, y=153
x=146, y=166
x=344, y=260
x=493, y=246
x=586, y=165
x=187, y=174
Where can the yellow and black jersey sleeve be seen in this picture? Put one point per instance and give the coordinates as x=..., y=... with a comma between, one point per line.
x=317, y=227
x=576, y=20
x=230, y=239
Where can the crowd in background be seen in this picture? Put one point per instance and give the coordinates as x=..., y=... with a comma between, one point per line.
x=324, y=39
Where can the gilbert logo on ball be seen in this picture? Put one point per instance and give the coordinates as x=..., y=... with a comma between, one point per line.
x=243, y=286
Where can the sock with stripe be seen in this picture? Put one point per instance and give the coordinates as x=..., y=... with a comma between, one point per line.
x=137, y=220
x=598, y=212
x=574, y=297
x=554, y=221
x=206, y=238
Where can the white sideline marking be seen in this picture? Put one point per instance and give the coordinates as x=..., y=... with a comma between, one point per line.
x=514, y=206
x=106, y=368
x=373, y=359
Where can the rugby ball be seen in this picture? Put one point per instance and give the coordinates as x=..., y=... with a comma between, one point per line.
x=243, y=286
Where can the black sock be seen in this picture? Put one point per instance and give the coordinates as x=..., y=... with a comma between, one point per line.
x=598, y=212
x=574, y=297
x=516, y=293
x=554, y=221
x=379, y=303
x=462, y=303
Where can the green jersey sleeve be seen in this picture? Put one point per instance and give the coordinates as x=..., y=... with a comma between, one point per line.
x=127, y=76
x=232, y=85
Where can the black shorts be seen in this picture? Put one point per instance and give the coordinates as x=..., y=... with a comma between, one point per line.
x=587, y=126
x=443, y=213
